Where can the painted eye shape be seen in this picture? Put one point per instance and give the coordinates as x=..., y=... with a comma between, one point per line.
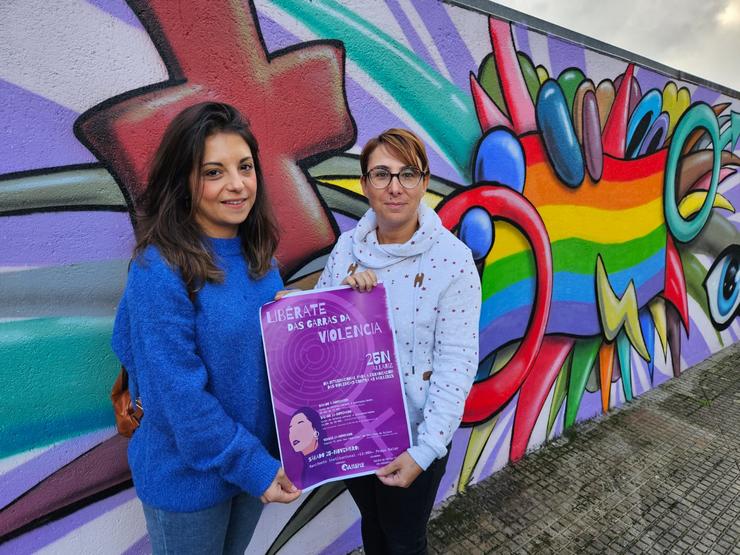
x=722, y=285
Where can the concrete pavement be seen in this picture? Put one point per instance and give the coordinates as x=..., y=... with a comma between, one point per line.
x=659, y=475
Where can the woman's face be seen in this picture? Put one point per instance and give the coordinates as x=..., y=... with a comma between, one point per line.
x=302, y=435
x=395, y=206
x=228, y=185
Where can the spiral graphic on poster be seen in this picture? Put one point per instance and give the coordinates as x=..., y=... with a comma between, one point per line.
x=342, y=362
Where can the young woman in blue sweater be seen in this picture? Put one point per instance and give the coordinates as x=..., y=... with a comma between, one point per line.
x=204, y=459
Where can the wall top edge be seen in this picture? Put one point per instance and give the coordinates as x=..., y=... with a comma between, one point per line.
x=488, y=7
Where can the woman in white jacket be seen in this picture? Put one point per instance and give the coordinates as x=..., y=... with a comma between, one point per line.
x=434, y=296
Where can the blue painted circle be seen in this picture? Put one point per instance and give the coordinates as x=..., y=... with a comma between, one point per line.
x=643, y=117
x=476, y=231
x=500, y=159
x=655, y=137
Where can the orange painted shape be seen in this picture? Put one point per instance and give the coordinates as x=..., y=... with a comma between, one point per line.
x=542, y=188
x=606, y=367
x=624, y=183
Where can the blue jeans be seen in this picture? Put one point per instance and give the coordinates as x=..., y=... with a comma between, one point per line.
x=226, y=528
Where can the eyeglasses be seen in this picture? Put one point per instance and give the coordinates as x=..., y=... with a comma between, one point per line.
x=409, y=177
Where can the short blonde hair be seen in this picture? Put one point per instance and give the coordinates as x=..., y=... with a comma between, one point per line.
x=402, y=143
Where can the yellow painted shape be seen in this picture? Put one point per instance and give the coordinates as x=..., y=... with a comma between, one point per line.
x=617, y=313
x=583, y=222
x=675, y=102
x=482, y=432
x=508, y=240
x=503, y=356
x=479, y=437
x=692, y=203
x=657, y=310
x=603, y=226
x=542, y=74
x=353, y=184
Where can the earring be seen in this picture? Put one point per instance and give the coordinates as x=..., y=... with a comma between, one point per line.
x=316, y=434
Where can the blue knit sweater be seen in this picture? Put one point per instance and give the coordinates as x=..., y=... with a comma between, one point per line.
x=208, y=431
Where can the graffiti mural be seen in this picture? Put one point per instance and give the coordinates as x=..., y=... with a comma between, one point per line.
x=596, y=195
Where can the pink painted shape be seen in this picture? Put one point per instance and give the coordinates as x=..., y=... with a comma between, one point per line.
x=101, y=468
x=675, y=283
x=615, y=129
x=535, y=389
x=489, y=116
x=48, y=533
x=16, y=481
x=702, y=184
x=513, y=86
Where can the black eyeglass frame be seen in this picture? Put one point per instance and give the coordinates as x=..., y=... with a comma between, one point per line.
x=397, y=175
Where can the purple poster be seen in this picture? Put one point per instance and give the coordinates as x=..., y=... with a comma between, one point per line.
x=336, y=389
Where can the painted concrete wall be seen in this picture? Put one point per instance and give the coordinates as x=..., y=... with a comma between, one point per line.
x=596, y=195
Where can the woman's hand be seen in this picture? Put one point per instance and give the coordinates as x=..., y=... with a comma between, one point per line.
x=362, y=281
x=281, y=490
x=400, y=472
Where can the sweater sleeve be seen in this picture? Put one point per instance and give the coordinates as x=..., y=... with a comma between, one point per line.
x=173, y=379
x=455, y=363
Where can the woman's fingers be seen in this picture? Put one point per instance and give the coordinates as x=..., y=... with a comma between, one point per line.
x=280, y=495
x=285, y=483
x=281, y=490
x=287, y=497
x=400, y=472
x=371, y=280
x=362, y=281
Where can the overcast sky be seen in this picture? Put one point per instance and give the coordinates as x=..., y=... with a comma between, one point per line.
x=701, y=37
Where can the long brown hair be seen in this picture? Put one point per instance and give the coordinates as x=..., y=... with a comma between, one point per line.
x=167, y=216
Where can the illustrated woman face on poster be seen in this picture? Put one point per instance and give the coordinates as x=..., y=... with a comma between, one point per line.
x=305, y=431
